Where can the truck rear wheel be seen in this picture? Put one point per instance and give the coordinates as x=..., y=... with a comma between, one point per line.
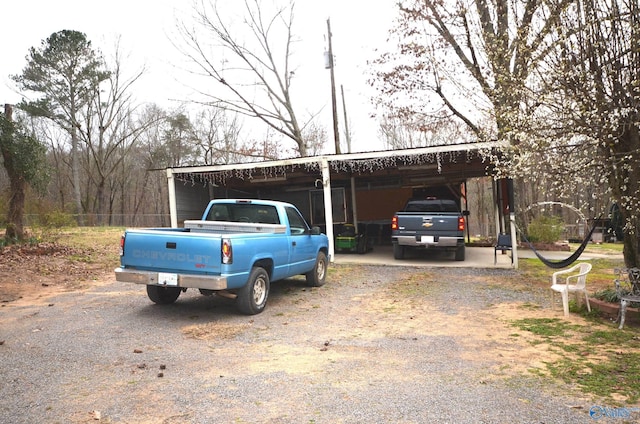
x=316, y=277
x=163, y=295
x=398, y=251
x=252, y=298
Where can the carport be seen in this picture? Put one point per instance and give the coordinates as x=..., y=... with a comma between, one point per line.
x=362, y=189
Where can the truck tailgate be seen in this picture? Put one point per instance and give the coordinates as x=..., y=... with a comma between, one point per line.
x=411, y=223
x=172, y=251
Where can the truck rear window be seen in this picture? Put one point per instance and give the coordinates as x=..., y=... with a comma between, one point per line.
x=242, y=212
x=432, y=206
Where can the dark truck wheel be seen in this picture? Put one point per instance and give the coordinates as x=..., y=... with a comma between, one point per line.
x=398, y=251
x=163, y=295
x=252, y=298
x=460, y=253
x=316, y=277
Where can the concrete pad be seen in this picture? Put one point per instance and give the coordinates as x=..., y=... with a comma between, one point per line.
x=475, y=257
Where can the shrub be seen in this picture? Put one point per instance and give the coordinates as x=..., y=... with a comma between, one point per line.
x=607, y=295
x=610, y=295
x=545, y=229
x=57, y=219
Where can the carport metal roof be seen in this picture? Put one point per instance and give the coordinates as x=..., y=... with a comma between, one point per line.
x=405, y=167
x=415, y=167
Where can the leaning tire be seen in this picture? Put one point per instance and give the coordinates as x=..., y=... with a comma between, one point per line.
x=252, y=298
x=163, y=295
x=316, y=277
x=398, y=251
x=460, y=253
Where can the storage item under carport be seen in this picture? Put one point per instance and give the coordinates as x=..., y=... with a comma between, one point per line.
x=350, y=241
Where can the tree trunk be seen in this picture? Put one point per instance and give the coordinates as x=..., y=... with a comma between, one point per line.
x=15, y=213
x=631, y=240
x=75, y=173
x=102, y=202
x=623, y=160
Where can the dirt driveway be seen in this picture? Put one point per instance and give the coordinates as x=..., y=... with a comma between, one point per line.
x=375, y=344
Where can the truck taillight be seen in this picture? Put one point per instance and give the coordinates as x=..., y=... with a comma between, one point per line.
x=122, y=245
x=394, y=223
x=461, y=223
x=227, y=252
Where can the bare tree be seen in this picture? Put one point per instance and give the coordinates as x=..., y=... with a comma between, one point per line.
x=401, y=133
x=140, y=184
x=254, y=73
x=316, y=137
x=470, y=61
x=217, y=135
x=110, y=130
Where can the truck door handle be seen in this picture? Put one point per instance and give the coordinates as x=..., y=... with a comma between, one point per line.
x=293, y=243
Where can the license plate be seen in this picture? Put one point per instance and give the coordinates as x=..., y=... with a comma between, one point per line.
x=167, y=279
x=426, y=239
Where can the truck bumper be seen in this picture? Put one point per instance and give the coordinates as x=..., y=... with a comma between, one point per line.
x=209, y=282
x=430, y=242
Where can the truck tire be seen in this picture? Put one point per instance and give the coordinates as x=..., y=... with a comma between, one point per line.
x=163, y=295
x=316, y=277
x=362, y=244
x=398, y=251
x=252, y=298
x=460, y=253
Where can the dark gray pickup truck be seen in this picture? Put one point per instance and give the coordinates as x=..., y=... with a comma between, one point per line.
x=429, y=223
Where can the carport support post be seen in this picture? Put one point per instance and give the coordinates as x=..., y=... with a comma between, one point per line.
x=512, y=222
x=496, y=208
x=173, y=210
x=354, y=205
x=328, y=210
x=514, y=239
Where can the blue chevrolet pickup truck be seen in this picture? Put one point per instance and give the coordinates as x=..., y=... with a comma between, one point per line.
x=236, y=250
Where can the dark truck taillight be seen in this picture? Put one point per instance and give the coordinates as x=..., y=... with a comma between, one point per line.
x=122, y=245
x=394, y=223
x=227, y=252
x=461, y=223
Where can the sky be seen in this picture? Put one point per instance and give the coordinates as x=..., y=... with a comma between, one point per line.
x=144, y=29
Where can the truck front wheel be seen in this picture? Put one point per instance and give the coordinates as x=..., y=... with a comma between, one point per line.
x=252, y=298
x=316, y=277
x=163, y=295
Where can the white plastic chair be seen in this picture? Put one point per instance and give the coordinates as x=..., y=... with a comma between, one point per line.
x=579, y=274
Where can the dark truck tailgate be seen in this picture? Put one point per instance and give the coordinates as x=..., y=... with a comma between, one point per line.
x=420, y=223
x=429, y=224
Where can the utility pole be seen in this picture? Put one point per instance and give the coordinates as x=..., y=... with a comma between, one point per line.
x=336, y=134
x=346, y=121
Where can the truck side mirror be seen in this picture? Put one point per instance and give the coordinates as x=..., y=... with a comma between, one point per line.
x=466, y=213
x=315, y=231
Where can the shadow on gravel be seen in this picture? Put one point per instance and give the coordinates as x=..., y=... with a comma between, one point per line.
x=192, y=306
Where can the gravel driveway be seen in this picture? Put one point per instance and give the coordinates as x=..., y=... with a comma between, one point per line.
x=376, y=344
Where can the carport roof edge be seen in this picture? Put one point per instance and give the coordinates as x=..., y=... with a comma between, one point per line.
x=313, y=161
